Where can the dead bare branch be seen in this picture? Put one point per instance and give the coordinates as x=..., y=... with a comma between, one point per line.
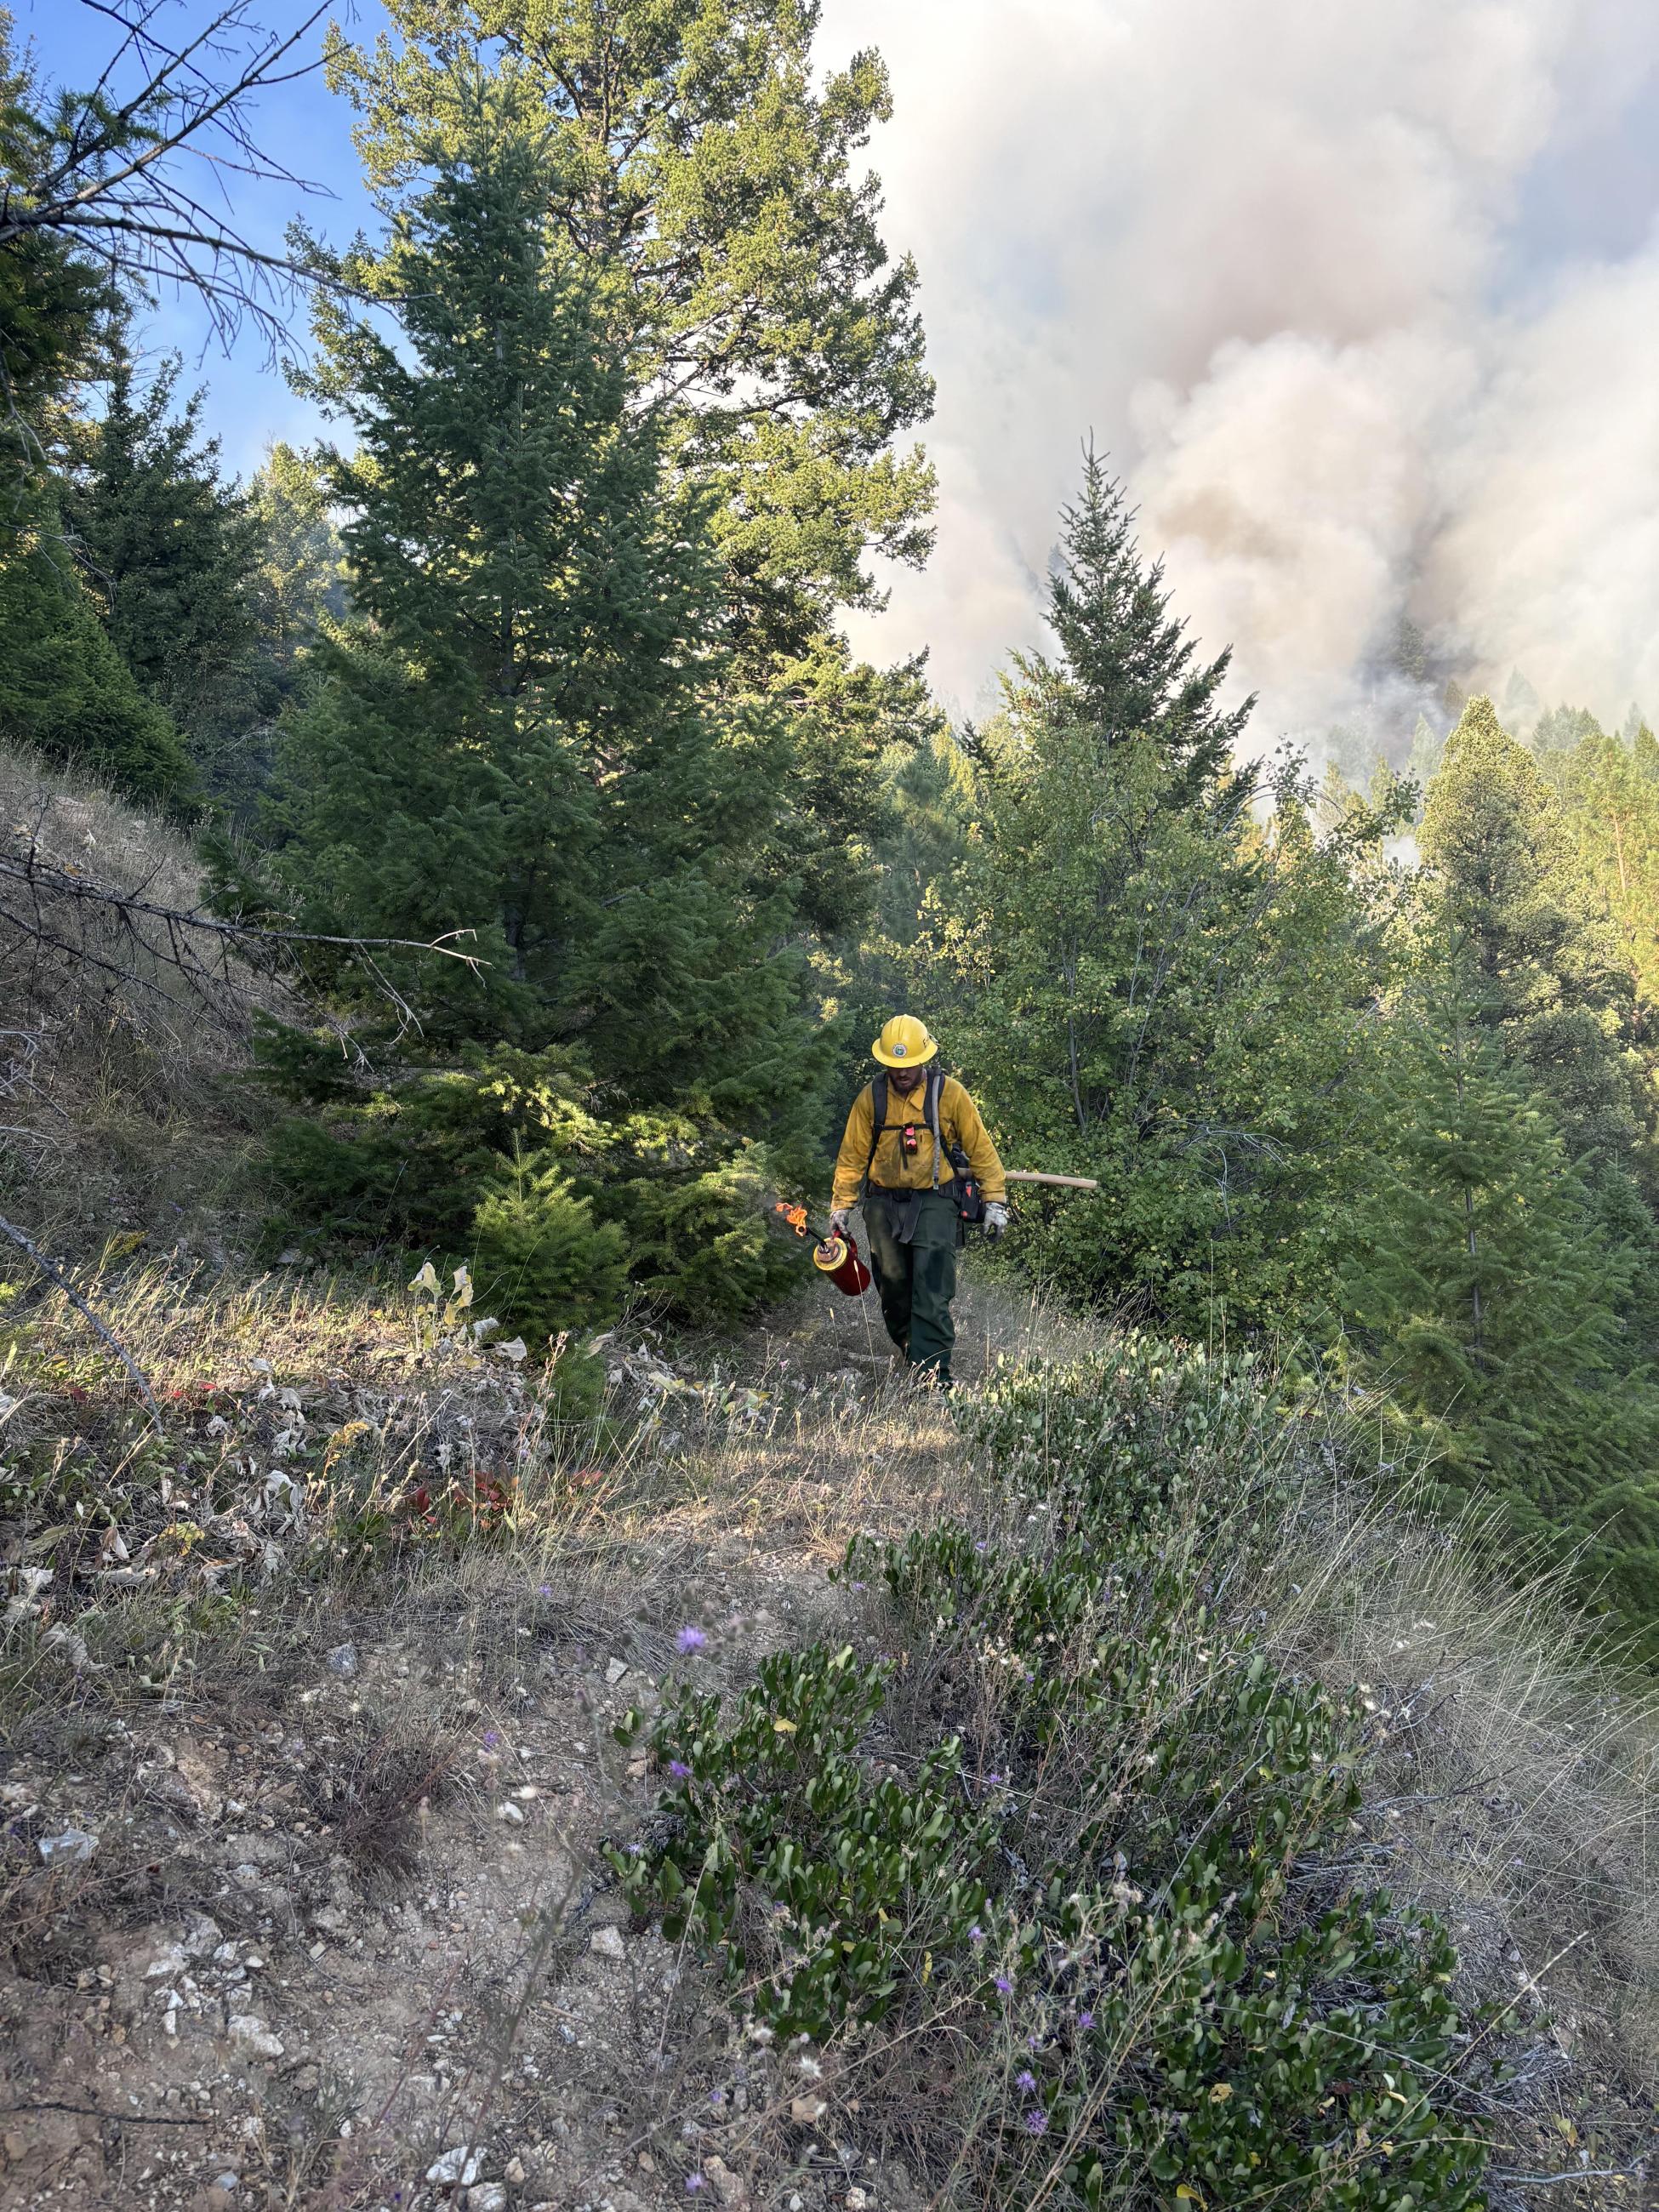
x=138, y=945
x=111, y=176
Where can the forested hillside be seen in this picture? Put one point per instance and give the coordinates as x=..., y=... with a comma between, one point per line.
x=467, y=854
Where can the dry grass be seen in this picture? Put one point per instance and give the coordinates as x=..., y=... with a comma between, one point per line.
x=1514, y=1795
x=114, y=1110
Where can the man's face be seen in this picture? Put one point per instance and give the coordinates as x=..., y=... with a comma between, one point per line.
x=904, y=1080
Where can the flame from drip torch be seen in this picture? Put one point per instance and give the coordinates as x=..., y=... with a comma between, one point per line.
x=794, y=1215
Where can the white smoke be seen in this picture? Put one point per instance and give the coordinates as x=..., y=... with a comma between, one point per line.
x=1363, y=301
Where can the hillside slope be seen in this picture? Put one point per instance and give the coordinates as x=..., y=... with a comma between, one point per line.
x=308, y=1710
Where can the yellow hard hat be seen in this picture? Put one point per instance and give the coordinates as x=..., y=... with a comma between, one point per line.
x=904, y=1042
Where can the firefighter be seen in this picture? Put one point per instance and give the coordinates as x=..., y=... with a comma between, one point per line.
x=915, y=1136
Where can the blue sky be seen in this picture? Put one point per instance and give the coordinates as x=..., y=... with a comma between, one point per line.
x=1361, y=299
x=307, y=130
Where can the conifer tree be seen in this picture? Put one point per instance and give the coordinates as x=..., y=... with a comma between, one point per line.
x=1126, y=663
x=1150, y=992
x=299, y=581
x=703, y=183
x=63, y=688
x=1482, y=1283
x=521, y=727
x=1609, y=792
x=168, y=549
x=1544, y=969
x=54, y=298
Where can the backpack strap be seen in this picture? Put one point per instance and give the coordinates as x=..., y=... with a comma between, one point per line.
x=878, y=1119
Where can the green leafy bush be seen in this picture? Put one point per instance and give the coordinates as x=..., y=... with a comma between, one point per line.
x=1122, y=1868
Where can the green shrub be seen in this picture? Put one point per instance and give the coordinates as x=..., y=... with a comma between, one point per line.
x=539, y=1256
x=1138, y=1901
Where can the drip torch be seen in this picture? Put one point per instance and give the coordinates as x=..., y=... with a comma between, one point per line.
x=835, y=1252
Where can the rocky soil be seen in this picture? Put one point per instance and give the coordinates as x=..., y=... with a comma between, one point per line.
x=333, y=1928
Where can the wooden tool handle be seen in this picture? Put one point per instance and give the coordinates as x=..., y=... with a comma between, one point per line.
x=1069, y=1182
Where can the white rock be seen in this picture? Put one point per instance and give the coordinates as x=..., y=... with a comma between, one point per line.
x=73, y=1845
x=248, y=2029
x=507, y=1811
x=343, y=1660
x=463, y=2164
x=608, y=1942
x=488, y=2197
x=615, y=1671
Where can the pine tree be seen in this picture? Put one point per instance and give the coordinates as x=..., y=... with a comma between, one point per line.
x=1610, y=794
x=705, y=182
x=54, y=300
x=63, y=688
x=703, y=185
x=170, y=551
x=1150, y=991
x=1127, y=665
x=1562, y=728
x=522, y=727
x=1546, y=972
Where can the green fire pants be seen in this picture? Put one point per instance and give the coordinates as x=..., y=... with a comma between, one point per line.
x=917, y=1280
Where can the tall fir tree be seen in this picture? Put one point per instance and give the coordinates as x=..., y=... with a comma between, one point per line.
x=1545, y=968
x=65, y=689
x=1609, y=792
x=522, y=728
x=170, y=551
x=1149, y=990
x=1127, y=665
x=54, y=299
x=703, y=184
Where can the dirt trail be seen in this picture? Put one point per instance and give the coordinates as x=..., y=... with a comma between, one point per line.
x=345, y=1939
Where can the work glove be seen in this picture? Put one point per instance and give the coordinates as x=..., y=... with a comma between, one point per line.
x=839, y=1219
x=996, y=1218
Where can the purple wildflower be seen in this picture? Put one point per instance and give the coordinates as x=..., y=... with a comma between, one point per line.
x=1036, y=2121
x=1085, y=2019
x=544, y=1590
x=1025, y=2082
x=492, y=1737
x=993, y=1781
x=678, y=1769
x=694, y=2182
x=1005, y=1985
x=976, y=1936
x=980, y=1545
x=689, y=1639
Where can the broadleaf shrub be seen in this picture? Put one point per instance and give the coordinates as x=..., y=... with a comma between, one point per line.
x=1121, y=1871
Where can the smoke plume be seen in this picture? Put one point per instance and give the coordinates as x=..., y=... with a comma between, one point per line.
x=1363, y=301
